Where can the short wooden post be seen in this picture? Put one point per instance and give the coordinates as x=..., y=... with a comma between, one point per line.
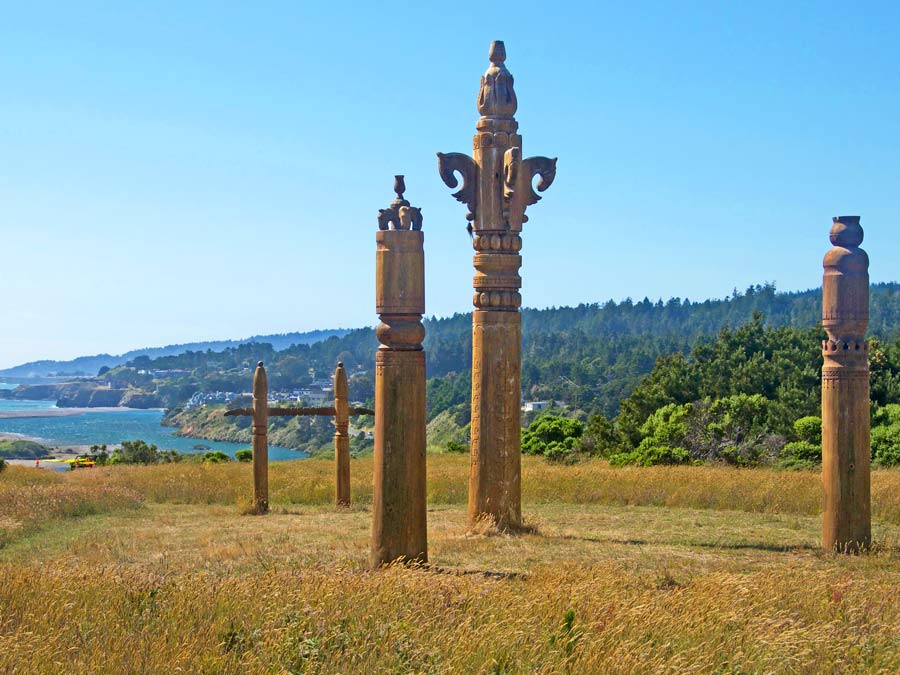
x=847, y=517
x=341, y=437
x=399, y=528
x=260, y=440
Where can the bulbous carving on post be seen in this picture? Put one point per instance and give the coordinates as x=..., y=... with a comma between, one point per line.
x=399, y=528
x=846, y=521
x=496, y=97
x=498, y=186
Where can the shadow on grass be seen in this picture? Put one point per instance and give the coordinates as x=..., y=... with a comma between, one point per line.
x=455, y=571
x=734, y=546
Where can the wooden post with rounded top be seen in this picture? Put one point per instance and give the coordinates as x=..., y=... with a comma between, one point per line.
x=341, y=437
x=260, y=440
x=847, y=517
x=497, y=188
x=399, y=529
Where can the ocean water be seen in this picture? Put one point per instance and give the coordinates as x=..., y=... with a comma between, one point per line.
x=7, y=385
x=97, y=428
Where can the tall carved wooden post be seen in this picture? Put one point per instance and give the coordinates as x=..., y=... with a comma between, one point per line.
x=497, y=188
x=399, y=529
x=260, y=431
x=847, y=519
x=341, y=437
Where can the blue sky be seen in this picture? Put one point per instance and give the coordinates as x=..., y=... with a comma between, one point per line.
x=185, y=171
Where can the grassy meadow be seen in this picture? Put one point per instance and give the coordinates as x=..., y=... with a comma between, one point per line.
x=629, y=570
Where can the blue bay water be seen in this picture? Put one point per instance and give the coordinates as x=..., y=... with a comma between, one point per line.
x=111, y=428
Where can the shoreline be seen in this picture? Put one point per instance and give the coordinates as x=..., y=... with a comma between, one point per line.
x=65, y=412
x=65, y=451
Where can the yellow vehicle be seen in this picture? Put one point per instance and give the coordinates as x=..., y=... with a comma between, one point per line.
x=83, y=462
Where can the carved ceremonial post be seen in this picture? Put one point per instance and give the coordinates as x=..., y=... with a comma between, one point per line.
x=847, y=519
x=341, y=437
x=399, y=529
x=497, y=188
x=260, y=431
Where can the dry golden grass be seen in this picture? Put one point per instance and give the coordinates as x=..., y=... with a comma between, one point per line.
x=310, y=482
x=654, y=578
x=30, y=498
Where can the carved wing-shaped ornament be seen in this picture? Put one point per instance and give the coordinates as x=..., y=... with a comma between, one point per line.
x=537, y=166
x=451, y=163
x=518, y=184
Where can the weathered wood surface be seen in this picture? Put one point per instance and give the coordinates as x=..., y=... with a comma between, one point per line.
x=497, y=189
x=260, y=413
x=399, y=518
x=260, y=432
x=846, y=442
x=341, y=438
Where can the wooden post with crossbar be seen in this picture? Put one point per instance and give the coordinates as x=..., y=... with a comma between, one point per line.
x=260, y=431
x=260, y=412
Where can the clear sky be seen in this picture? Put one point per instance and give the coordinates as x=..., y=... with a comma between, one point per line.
x=182, y=171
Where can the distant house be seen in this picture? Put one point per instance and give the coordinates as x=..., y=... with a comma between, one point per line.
x=313, y=395
x=534, y=406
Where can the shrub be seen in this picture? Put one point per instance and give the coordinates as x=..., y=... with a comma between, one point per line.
x=886, y=445
x=562, y=451
x=800, y=455
x=244, y=455
x=552, y=436
x=666, y=426
x=648, y=454
x=2, y=464
x=809, y=429
x=218, y=457
x=600, y=439
x=100, y=454
x=139, y=452
x=456, y=447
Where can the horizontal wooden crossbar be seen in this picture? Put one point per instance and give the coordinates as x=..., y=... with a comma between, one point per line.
x=297, y=412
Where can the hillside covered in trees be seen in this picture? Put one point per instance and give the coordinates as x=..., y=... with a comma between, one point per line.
x=589, y=357
x=89, y=365
x=591, y=361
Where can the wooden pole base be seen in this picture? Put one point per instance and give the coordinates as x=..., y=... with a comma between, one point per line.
x=399, y=529
x=495, y=479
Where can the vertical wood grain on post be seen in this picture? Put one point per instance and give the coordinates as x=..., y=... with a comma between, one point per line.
x=497, y=188
x=399, y=527
x=846, y=443
x=260, y=440
x=341, y=437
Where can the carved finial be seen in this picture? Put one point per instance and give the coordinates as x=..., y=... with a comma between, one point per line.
x=400, y=213
x=340, y=364
x=846, y=231
x=497, y=98
x=497, y=53
x=259, y=365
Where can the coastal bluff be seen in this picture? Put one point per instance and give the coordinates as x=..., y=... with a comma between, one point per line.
x=84, y=395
